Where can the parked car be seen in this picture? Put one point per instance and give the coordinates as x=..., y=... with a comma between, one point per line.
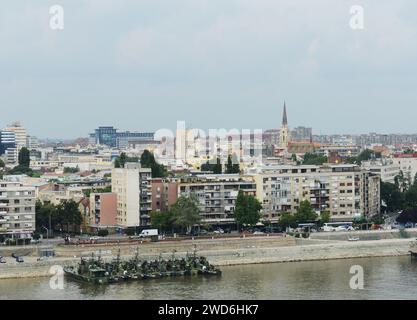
x=219, y=230
x=2, y=259
x=258, y=233
x=19, y=259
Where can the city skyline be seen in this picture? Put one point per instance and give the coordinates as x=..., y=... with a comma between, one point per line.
x=214, y=64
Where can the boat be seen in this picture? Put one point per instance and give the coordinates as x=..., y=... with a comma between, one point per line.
x=94, y=270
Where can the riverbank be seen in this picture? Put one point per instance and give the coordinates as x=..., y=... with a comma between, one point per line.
x=220, y=252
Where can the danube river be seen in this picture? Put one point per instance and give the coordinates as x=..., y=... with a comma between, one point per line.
x=384, y=278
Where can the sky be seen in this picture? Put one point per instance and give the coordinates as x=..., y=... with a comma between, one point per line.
x=141, y=65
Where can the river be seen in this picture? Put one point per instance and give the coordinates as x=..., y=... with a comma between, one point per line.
x=384, y=278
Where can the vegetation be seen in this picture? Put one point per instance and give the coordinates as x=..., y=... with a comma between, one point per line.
x=2, y=164
x=87, y=192
x=247, y=209
x=287, y=220
x=121, y=161
x=162, y=220
x=325, y=217
x=314, y=159
x=305, y=213
x=232, y=165
x=24, y=157
x=215, y=168
x=60, y=216
x=71, y=170
x=103, y=232
x=147, y=160
x=365, y=155
x=185, y=212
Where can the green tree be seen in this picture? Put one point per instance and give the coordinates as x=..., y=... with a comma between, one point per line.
x=70, y=214
x=2, y=164
x=24, y=158
x=287, y=220
x=71, y=170
x=232, y=165
x=305, y=213
x=123, y=159
x=294, y=157
x=325, y=217
x=247, y=209
x=186, y=212
x=391, y=196
x=162, y=220
x=147, y=160
x=314, y=159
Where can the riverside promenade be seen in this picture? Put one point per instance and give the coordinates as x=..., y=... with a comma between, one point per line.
x=220, y=252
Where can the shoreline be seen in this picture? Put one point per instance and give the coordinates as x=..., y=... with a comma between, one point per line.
x=228, y=253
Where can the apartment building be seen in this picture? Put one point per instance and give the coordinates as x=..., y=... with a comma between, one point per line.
x=103, y=210
x=387, y=169
x=20, y=134
x=217, y=194
x=8, y=146
x=407, y=164
x=164, y=194
x=345, y=190
x=133, y=187
x=17, y=210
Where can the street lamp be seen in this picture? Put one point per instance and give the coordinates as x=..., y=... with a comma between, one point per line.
x=47, y=232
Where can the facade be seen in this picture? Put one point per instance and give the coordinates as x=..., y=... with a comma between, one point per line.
x=164, y=194
x=217, y=194
x=17, y=210
x=387, y=169
x=302, y=134
x=344, y=190
x=132, y=185
x=103, y=210
x=110, y=137
x=8, y=146
x=20, y=134
x=407, y=164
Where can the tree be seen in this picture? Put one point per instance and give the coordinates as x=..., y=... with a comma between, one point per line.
x=2, y=164
x=314, y=159
x=216, y=168
x=123, y=159
x=287, y=220
x=147, y=160
x=24, y=158
x=117, y=163
x=325, y=217
x=71, y=170
x=232, y=165
x=305, y=213
x=162, y=220
x=294, y=157
x=70, y=214
x=247, y=209
x=186, y=212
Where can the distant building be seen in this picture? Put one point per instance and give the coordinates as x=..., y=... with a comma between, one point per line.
x=345, y=191
x=17, y=210
x=387, y=169
x=217, y=194
x=112, y=138
x=20, y=134
x=302, y=134
x=132, y=185
x=284, y=133
x=8, y=146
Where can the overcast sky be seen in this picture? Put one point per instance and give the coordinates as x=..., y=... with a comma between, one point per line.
x=144, y=64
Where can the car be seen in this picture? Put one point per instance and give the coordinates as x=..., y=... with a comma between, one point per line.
x=19, y=259
x=258, y=233
x=220, y=230
x=2, y=259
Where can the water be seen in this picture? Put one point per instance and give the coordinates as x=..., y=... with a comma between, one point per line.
x=384, y=278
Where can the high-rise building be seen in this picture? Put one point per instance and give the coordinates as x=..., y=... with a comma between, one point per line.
x=20, y=134
x=17, y=210
x=103, y=210
x=8, y=147
x=132, y=185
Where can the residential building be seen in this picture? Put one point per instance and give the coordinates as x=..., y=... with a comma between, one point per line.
x=217, y=194
x=103, y=210
x=386, y=168
x=17, y=210
x=132, y=185
x=408, y=165
x=164, y=194
x=345, y=190
x=8, y=147
x=110, y=137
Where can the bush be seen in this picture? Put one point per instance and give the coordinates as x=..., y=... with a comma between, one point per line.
x=103, y=232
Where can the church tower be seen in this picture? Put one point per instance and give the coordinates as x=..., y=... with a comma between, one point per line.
x=284, y=132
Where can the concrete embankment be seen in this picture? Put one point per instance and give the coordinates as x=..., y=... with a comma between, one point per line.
x=366, y=235
x=222, y=252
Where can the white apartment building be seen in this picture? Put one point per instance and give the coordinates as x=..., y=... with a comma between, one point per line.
x=345, y=191
x=132, y=185
x=217, y=194
x=17, y=210
x=20, y=132
x=386, y=168
x=407, y=164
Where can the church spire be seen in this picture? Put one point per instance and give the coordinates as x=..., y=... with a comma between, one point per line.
x=284, y=116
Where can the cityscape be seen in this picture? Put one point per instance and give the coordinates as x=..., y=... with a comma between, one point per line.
x=293, y=175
